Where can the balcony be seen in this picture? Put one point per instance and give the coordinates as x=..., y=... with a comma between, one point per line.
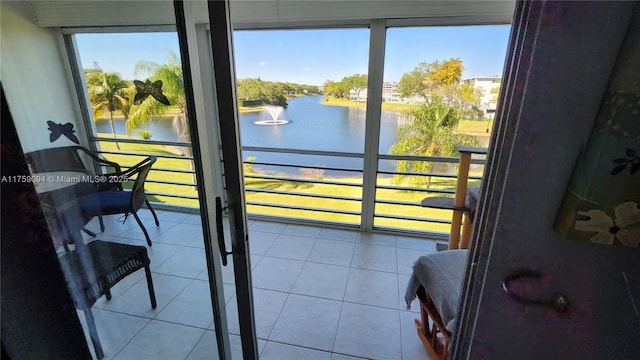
x=310, y=196
x=321, y=287
x=319, y=292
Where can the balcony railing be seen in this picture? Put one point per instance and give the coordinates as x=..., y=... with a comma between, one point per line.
x=171, y=181
x=310, y=196
x=319, y=194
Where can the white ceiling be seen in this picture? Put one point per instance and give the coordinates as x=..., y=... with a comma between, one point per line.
x=271, y=13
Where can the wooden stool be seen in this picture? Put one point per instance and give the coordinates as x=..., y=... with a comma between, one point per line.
x=460, y=204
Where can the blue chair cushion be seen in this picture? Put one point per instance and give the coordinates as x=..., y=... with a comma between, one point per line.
x=106, y=203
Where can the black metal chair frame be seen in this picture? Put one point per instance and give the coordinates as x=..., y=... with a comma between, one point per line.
x=140, y=170
x=93, y=269
x=53, y=159
x=68, y=158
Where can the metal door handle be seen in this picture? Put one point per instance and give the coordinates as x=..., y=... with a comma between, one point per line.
x=220, y=231
x=560, y=302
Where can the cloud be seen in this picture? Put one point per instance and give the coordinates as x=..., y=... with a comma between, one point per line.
x=263, y=63
x=308, y=68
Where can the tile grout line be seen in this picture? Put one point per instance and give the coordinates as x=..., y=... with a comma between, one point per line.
x=299, y=346
x=335, y=338
x=131, y=339
x=289, y=292
x=196, y=344
x=400, y=334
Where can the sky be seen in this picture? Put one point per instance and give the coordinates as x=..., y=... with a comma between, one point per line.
x=312, y=56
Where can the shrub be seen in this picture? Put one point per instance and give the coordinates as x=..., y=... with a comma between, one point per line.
x=146, y=134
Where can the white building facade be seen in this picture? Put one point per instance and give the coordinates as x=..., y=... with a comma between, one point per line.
x=489, y=98
x=487, y=85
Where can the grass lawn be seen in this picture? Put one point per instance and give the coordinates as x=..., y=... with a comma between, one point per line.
x=475, y=127
x=413, y=197
x=250, y=109
x=395, y=107
x=183, y=164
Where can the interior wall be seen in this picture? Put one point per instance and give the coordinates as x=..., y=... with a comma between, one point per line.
x=564, y=76
x=39, y=319
x=34, y=77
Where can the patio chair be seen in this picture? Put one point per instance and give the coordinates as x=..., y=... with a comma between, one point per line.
x=436, y=281
x=93, y=269
x=70, y=158
x=122, y=202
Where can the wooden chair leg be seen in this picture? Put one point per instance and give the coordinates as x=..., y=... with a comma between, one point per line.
x=431, y=330
x=458, y=201
x=467, y=228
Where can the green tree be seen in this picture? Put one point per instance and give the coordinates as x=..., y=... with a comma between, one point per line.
x=249, y=89
x=468, y=97
x=356, y=82
x=336, y=88
x=429, y=133
x=435, y=78
x=108, y=93
x=310, y=89
x=291, y=88
x=172, y=87
x=274, y=93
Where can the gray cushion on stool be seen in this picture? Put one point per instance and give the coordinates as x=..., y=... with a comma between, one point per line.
x=441, y=274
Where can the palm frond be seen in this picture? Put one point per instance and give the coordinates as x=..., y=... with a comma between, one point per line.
x=172, y=87
x=145, y=67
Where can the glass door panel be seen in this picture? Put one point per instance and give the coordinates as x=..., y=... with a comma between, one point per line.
x=119, y=176
x=133, y=116
x=441, y=94
x=302, y=99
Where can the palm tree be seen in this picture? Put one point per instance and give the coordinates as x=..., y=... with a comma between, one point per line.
x=172, y=87
x=429, y=133
x=108, y=93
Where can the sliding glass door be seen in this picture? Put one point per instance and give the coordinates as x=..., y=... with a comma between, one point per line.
x=439, y=91
x=127, y=171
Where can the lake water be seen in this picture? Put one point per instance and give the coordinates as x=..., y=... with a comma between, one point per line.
x=312, y=126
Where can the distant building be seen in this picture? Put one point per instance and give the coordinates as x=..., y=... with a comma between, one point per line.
x=486, y=84
x=390, y=94
x=489, y=99
x=355, y=96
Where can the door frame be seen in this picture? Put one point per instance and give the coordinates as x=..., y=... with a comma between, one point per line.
x=204, y=157
x=536, y=137
x=221, y=45
x=202, y=105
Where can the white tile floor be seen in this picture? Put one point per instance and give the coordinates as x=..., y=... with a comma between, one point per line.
x=319, y=293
